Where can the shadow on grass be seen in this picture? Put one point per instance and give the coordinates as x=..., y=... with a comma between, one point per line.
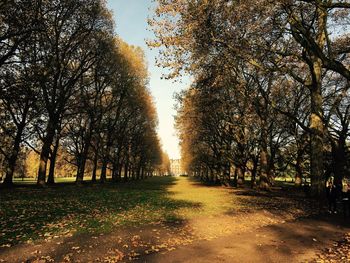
x=197, y=182
x=30, y=213
x=310, y=233
x=276, y=202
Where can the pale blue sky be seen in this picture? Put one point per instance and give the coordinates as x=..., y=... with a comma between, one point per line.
x=131, y=25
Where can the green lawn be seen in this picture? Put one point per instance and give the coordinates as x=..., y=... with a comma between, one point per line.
x=29, y=213
x=33, y=213
x=28, y=181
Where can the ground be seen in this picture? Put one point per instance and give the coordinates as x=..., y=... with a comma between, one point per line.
x=166, y=220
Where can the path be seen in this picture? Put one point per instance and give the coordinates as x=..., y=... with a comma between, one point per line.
x=296, y=241
x=209, y=224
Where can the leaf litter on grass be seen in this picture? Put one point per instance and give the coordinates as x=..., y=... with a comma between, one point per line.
x=180, y=213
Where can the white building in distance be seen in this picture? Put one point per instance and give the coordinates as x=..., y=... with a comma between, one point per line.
x=175, y=167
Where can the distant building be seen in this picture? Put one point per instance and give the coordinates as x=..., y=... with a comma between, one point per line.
x=175, y=167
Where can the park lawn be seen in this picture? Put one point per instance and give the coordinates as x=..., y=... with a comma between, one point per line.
x=29, y=213
x=32, y=181
x=32, y=213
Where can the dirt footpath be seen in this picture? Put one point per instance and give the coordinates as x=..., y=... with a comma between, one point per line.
x=297, y=241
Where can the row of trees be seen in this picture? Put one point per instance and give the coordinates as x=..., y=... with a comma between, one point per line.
x=69, y=85
x=271, y=86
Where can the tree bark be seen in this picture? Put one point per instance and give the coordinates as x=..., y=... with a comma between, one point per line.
x=254, y=171
x=316, y=138
x=126, y=172
x=53, y=157
x=12, y=159
x=240, y=175
x=83, y=157
x=265, y=177
x=94, y=170
x=103, y=177
x=298, y=170
x=45, y=151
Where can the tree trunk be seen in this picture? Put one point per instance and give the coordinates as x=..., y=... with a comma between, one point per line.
x=116, y=174
x=298, y=170
x=84, y=156
x=138, y=172
x=126, y=172
x=103, y=177
x=265, y=180
x=45, y=151
x=94, y=170
x=240, y=175
x=133, y=172
x=235, y=177
x=316, y=137
x=11, y=161
x=142, y=172
x=53, y=157
x=254, y=171
x=316, y=118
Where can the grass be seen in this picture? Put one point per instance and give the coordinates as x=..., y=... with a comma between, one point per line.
x=32, y=181
x=28, y=213
x=210, y=200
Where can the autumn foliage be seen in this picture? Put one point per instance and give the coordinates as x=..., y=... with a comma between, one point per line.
x=73, y=96
x=270, y=91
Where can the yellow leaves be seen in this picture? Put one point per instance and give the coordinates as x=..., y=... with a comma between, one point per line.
x=6, y=245
x=114, y=256
x=43, y=259
x=135, y=240
x=153, y=248
x=67, y=258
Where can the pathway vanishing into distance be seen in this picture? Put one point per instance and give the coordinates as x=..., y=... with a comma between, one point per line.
x=206, y=224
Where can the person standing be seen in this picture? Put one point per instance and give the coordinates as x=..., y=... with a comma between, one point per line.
x=331, y=191
x=345, y=197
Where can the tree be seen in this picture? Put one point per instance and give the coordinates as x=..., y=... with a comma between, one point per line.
x=276, y=38
x=67, y=52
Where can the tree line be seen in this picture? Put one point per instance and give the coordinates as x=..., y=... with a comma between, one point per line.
x=270, y=94
x=69, y=85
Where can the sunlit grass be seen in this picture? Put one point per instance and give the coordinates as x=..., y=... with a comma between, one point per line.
x=210, y=200
x=30, y=213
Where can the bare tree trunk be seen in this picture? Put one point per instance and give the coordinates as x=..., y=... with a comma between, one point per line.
x=142, y=172
x=83, y=158
x=316, y=118
x=120, y=172
x=299, y=170
x=53, y=157
x=12, y=159
x=138, y=172
x=126, y=171
x=265, y=180
x=103, y=177
x=94, y=170
x=254, y=171
x=240, y=175
x=45, y=151
x=316, y=138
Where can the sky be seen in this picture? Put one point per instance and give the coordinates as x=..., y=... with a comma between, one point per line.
x=131, y=25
